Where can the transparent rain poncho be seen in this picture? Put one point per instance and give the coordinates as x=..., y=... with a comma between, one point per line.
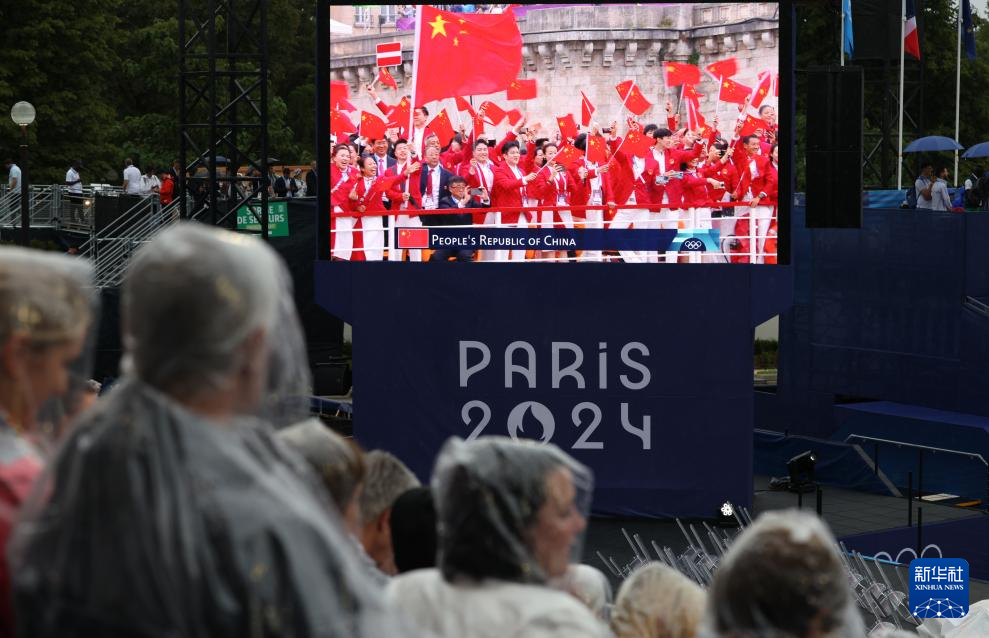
x=782, y=578
x=171, y=509
x=510, y=517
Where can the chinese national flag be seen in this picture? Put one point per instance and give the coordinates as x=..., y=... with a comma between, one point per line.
x=568, y=127
x=751, y=125
x=443, y=128
x=464, y=105
x=695, y=121
x=514, y=116
x=596, y=149
x=386, y=79
x=633, y=98
x=638, y=144
x=413, y=238
x=399, y=114
x=567, y=155
x=586, y=110
x=372, y=126
x=732, y=91
x=678, y=73
x=722, y=68
x=465, y=53
x=340, y=124
x=522, y=90
x=762, y=91
x=691, y=94
x=491, y=112
x=478, y=125
x=384, y=184
x=339, y=92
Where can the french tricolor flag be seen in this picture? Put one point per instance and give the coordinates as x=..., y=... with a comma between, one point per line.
x=911, y=41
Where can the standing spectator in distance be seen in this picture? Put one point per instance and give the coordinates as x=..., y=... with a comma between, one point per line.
x=14, y=176
x=923, y=186
x=940, y=200
x=73, y=183
x=387, y=479
x=45, y=311
x=132, y=178
x=280, y=186
x=296, y=188
x=272, y=178
x=150, y=184
x=413, y=530
x=176, y=167
x=166, y=193
x=312, y=181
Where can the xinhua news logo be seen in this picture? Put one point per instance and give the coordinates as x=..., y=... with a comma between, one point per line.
x=939, y=587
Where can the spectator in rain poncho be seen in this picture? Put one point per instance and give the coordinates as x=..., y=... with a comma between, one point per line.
x=46, y=310
x=510, y=515
x=782, y=578
x=656, y=601
x=170, y=510
x=587, y=584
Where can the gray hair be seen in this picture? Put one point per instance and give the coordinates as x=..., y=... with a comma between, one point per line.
x=387, y=478
x=190, y=300
x=338, y=462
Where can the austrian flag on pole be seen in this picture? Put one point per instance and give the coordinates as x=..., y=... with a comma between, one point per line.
x=389, y=54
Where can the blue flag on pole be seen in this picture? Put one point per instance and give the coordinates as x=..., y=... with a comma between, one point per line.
x=968, y=31
x=847, y=38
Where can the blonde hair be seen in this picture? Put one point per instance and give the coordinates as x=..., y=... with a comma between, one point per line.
x=656, y=601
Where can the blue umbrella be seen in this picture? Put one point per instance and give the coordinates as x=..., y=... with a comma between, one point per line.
x=933, y=143
x=979, y=150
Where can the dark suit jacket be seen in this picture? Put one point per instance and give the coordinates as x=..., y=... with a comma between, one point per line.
x=445, y=177
x=447, y=201
x=312, y=184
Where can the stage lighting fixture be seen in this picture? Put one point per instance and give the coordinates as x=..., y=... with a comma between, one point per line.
x=801, y=470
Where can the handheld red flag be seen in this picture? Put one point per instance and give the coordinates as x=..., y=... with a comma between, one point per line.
x=567, y=155
x=514, y=116
x=695, y=121
x=722, y=68
x=478, y=125
x=586, y=110
x=464, y=105
x=751, y=125
x=399, y=114
x=732, y=91
x=596, y=149
x=762, y=91
x=678, y=73
x=638, y=144
x=568, y=127
x=372, y=126
x=522, y=90
x=338, y=91
x=491, y=112
x=465, y=53
x=340, y=124
x=443, y=128
x=691, y=94
x=386, y=79
x=630, y=94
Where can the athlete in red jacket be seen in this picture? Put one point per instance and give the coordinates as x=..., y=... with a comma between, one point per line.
x=511, y=189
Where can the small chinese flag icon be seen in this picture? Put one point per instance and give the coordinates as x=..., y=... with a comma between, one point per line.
x=413, y=238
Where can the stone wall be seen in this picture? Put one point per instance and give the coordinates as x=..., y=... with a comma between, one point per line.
x=593, y=48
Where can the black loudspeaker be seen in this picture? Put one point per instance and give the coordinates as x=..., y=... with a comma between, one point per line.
x=876, y=26
x=834, y=147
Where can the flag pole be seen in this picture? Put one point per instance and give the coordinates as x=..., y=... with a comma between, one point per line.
x=899, y=147
x=841, y=40
x=958, y=85
x=415, y=78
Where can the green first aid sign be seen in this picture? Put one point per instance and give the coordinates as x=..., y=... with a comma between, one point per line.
x=248, y=215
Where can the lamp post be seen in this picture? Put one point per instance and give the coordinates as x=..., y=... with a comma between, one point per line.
x=23, y=115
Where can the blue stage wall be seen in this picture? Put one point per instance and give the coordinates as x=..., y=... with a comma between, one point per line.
x=414, y=388
x=880, y=313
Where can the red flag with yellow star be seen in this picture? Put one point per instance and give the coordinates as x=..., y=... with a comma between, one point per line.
x=568, y=127
x=340, y=124
x=732, y=91
x=722, y=68
x=762, y=91
x=596, y=149
x=586, y=110
x=372, y=126
x=752, y=124
x=629, y=92
x=386, y=79
x=567, y=155
x=443, y=128
x=492, y=113
x=678, y=73
x=399, y=114
x=464, y=105
x=465, y=53
x=638, y=144
x=514, y=116
x=521, y=90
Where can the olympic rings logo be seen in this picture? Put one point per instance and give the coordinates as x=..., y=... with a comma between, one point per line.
x=693, y=244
